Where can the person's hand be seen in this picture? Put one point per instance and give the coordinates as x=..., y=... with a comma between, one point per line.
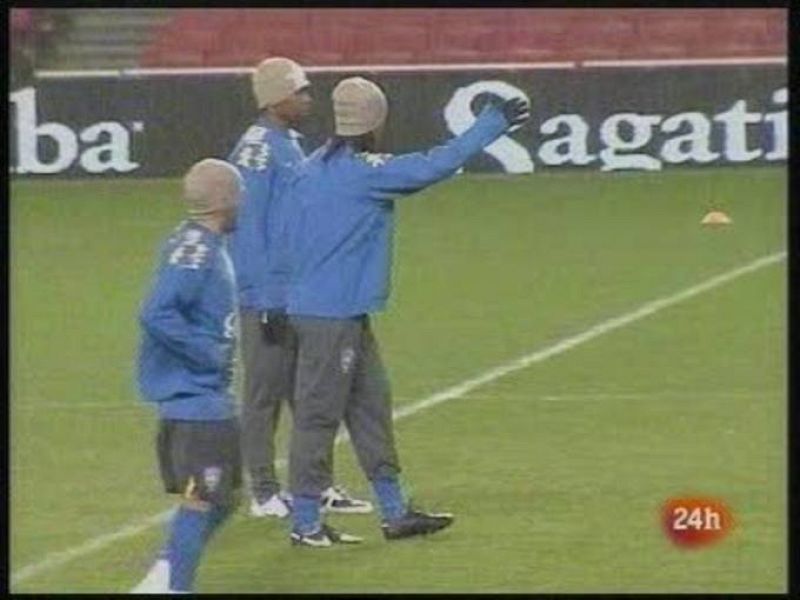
x=274, y=325
x=516, y=111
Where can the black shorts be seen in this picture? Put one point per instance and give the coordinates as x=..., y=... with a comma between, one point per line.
x=200, y=459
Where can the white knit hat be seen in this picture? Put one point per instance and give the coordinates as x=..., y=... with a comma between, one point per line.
x=359, y=106
x=275, y=79
x=206, y=186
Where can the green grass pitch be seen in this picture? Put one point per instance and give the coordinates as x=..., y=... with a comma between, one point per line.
x=555, y=472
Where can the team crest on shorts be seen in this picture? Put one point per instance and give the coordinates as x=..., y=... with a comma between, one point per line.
x=211, y=477
x=347, y=358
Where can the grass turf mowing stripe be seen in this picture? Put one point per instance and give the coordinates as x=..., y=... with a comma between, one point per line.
x=57, y=559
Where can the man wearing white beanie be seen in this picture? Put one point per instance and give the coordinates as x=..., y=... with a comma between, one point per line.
x=342, y=222
x=264, y=154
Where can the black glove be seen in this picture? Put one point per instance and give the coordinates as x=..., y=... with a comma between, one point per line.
x=274, y=326
x=516, y=111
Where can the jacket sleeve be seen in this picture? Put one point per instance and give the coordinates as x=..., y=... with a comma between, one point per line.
x=164, y=316
x=254, y=157
x=395, y=176
x=251, y=227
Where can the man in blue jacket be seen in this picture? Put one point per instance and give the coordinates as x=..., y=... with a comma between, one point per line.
x=185, y=369
x=265, y=155
x=341, y=238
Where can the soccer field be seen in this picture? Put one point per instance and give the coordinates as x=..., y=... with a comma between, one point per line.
x=556, y=469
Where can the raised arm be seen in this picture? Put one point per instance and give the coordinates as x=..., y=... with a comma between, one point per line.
x=393, y=176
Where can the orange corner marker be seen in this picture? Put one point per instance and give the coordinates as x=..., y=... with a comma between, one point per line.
x=716, y=217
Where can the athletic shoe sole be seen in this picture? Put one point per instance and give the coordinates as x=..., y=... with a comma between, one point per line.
x=347, y=510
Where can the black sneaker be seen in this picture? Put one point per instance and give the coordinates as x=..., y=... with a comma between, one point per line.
x=415, y=522
x=324, y=537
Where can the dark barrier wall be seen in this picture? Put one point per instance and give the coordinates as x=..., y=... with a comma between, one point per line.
x=603, y=119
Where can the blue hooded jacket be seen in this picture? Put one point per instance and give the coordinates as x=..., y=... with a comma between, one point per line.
x=187, y=323
x=342, y=218
x=264, y=156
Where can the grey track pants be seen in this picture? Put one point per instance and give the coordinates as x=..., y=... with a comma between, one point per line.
x=340, y=376
x=269, y=375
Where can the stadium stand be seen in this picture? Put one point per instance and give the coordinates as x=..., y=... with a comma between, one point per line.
x=235, y=37
x=33, y=36
x=104, y=38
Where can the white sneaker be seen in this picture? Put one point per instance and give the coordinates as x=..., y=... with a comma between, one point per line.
x=277, y=505
x=336, y=500
x=324, y=537
x=156, y=581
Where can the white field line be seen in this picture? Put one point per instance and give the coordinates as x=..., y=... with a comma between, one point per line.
x=589, y=396
x=421, y=68
x=591, y=333
x=56, y=559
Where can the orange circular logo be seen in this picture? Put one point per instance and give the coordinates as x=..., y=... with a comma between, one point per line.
x=694, y=522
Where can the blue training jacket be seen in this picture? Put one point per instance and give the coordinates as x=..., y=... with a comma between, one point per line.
x=188, y=328
x=264, y=156
x=342, y=218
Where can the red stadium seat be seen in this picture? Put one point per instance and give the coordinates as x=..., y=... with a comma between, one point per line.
x=272, y=20
x=174, y=57
x=391, y=45
x=318, y=57
x=664, y=50
x=603, y=35
x=259, y=40
x=406, y=17
x=472, y=37
x=190, y=17
x=186, y=49
x=455, y=18
x=777, y=27
x=430, y=35
x=740, y=33
x=456, y=55
x=745, y=30
x=333, y=36
x=536, y=36
x=381, y=57
x=680, y=28
x=540, y=21
x=527, y=54
x=342, y=17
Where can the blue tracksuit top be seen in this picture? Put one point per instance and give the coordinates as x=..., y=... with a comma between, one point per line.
x=188, y=328
x=342, y=218
x=264, y=155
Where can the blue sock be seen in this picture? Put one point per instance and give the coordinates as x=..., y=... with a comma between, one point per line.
x=305, y=514
x=216, y=517
x=390, y=497
x=185, y=546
